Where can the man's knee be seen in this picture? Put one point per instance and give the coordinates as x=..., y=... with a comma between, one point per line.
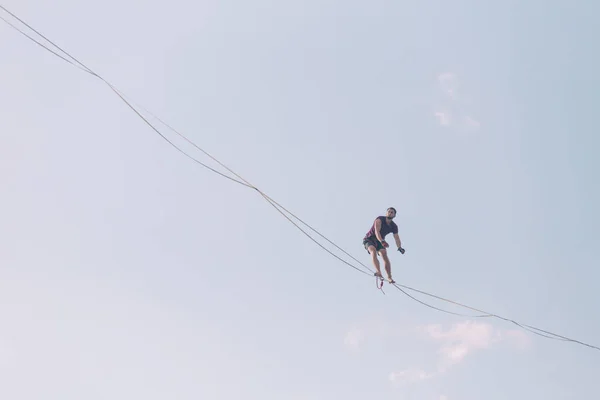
x=372, y=250
x=384, y=255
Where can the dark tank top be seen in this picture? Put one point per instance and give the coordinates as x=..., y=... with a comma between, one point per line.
x=385, y=228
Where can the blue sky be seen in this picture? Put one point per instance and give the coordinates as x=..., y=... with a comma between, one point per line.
x=128, y=271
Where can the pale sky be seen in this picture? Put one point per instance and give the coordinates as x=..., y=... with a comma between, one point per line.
x=130, y=272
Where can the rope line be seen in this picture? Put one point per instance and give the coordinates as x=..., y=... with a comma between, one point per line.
x=273, y=203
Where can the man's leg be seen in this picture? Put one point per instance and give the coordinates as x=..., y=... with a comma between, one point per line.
x=387, y=264
x=373, y=251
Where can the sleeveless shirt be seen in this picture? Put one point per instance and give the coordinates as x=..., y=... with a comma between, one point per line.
x=385, y=228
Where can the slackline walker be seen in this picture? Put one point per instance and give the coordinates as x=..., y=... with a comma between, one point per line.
x=375, y=244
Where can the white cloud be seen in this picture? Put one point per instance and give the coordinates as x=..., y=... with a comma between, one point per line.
x=442, y=397
x=463, y=339
x=443, y=117
x=445, y=346
x=448, y=83
x=411, y=375
x=517, y=337
x=353, y=339
x=472, y=123
x=454, y=345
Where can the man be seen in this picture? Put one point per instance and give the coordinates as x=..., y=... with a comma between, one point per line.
x=374, y=241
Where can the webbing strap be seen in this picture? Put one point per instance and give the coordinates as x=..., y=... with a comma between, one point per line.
x=379, y=286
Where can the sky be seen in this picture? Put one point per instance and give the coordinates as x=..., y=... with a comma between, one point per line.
x=130, y=271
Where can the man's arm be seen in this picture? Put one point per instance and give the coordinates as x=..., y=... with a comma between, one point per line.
x=398, y=243
x=378, y=229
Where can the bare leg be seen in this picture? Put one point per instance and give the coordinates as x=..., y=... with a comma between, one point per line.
x=387, y=264
x=375, y=260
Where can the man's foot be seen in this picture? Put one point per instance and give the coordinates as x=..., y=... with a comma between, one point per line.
x=378, y=274
x=390, y=280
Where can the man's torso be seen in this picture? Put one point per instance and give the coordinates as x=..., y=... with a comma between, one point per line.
x=385, y=228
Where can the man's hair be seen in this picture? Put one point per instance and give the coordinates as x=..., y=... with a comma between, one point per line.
x=392, y=208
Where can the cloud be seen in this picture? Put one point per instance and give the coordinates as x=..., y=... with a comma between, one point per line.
x=443, y=117
x=472, y=123
x=411, y=375
x=353, y=339
x=444, y=346
x=461, y=340
x=454, y=345
x=449, y=83
x=356, y=337
x=465, y=338
x=442, y=397
x=518, y=338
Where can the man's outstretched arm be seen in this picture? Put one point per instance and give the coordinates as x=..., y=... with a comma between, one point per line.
x=398, y=243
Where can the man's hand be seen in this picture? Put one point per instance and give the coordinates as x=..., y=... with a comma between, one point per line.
x=385, y=244
x=401, y=250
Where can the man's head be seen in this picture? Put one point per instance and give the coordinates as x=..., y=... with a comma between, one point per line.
x=390, y=213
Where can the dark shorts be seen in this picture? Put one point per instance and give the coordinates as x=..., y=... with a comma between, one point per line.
x=372, y=241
